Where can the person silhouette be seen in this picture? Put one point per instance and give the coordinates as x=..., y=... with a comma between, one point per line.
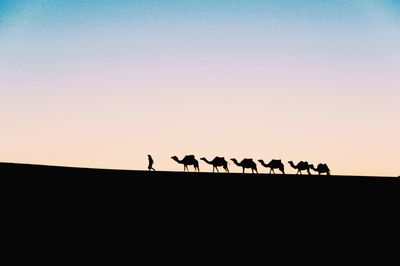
x=151, y=162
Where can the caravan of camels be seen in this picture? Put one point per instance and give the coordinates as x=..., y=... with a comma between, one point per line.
x=190, y=160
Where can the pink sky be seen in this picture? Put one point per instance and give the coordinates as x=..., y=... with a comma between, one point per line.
x=106, y=92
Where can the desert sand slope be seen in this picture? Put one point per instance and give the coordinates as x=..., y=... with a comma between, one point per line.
x=174, y=217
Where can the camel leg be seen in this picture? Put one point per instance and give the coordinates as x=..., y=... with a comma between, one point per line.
x=217, y=169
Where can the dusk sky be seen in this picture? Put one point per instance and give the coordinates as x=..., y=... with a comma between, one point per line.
x=104, y=83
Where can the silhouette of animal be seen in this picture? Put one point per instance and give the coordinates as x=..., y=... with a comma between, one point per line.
x=321, y=168
x=216, y=162
x=273, y=164
x=300, y=167
x=246, y=163
x=187, y=160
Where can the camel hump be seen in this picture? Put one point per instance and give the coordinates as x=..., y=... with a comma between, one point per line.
x=190, y=156
x=220, y=158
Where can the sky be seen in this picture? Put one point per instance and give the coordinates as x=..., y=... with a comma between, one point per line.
x=104, y=83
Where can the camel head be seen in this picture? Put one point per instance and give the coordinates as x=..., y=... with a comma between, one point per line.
x=174, y=158
x=261, y=161
x=236, y=162
x=203, y=158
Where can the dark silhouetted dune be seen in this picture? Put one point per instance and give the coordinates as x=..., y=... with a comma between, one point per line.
x=176, y=217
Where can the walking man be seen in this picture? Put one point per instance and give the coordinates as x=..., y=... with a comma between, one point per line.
x=151, y=162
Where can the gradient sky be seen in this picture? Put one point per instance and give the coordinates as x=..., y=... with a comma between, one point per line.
x=104, y=83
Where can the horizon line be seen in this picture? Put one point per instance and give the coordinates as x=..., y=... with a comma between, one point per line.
x=189, y=172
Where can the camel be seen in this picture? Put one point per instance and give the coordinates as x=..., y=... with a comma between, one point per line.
x=321, y=168
x=246, y=163
x=274, y=164
x=300, y=167
x=187, y=160
x=216, y=162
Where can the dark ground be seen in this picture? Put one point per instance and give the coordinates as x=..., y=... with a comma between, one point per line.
x=56, y=214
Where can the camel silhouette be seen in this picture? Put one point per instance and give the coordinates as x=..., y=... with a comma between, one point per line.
x=216, y=162
x=300, y=167
x=187, y=160
x=321, y=168
x=273, y=164
x=246, y=163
